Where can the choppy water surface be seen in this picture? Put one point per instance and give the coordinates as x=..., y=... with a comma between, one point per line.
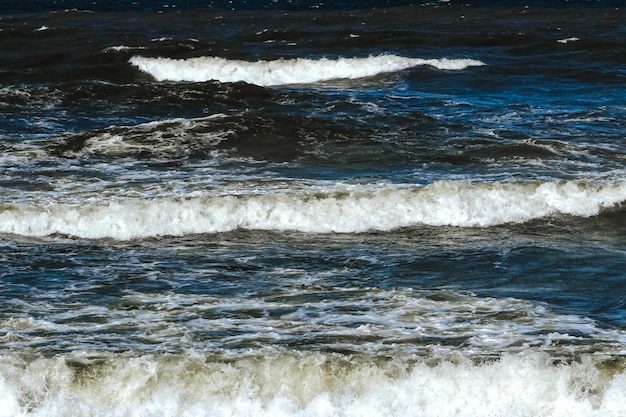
x=303, y=209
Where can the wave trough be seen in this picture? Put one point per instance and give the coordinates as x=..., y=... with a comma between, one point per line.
x=352, y=211
x=286, y=71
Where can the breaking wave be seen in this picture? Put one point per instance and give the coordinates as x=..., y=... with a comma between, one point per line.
x=381, y=208
x=81, y=384
x=286, y=71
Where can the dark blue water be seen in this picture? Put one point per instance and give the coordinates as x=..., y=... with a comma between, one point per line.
x=300, y=208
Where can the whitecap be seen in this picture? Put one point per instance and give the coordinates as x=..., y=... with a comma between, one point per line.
x=81, y=384
x=568, y=40
x=286, y=71
x=380, y=208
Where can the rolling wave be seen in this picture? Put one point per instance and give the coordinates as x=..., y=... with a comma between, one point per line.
x=383, y=208
x=308, y=385
x=286, y=71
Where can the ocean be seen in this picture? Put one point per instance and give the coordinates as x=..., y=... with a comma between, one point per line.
x=305, y=208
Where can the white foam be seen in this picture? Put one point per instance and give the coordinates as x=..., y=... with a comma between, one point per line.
x=285, y=71
x=120, y=48
x=118, y=140
x=397, y=322
x=357, y=210
x=568, y=40
x=306, y=385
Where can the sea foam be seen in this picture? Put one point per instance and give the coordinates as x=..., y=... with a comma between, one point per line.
x=286, y=71
x=381, y=208
x=307, y=385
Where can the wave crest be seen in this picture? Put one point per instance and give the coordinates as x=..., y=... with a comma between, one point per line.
x=303, y=385
x=354, y=211
x=285, y=71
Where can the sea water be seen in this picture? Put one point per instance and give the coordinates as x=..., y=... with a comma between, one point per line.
x=310, y=209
